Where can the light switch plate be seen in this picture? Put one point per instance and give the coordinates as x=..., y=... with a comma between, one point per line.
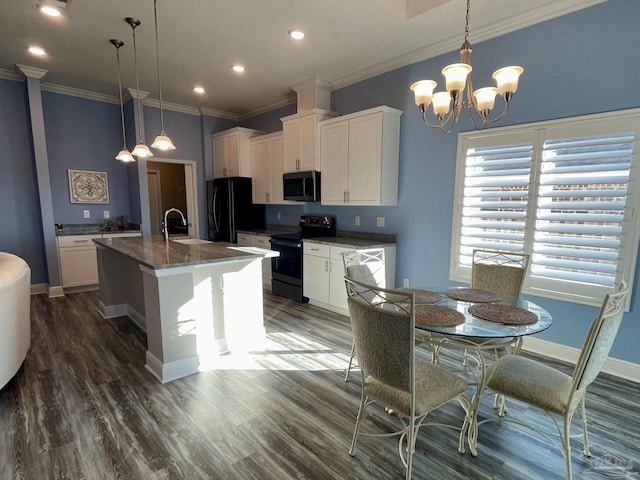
x=356, y=220
x=105, y=213
x=380, y=221
x=86, y=214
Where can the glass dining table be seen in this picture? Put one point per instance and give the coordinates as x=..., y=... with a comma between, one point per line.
x=479, y=324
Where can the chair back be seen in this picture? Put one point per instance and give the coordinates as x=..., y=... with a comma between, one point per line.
x=499, y=272
x=366, y=266
x=600, y=338
x=383, y=333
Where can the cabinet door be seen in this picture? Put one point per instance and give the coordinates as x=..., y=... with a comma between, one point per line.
x=260, y=169
x=219, y=157
x=334, y=152
x=365, y=144
x=291, y=135
x=276, y=155
x=233, y=154
x=308, y=143
x=78, y=266
x=315, y=278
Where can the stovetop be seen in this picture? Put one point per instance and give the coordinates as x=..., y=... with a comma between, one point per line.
x=312, y=226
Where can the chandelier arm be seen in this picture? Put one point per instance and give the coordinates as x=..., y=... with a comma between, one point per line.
x=441, y=124
x=499, y=117
x=473, y=119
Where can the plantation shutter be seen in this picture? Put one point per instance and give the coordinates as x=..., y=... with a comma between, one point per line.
x=495, y=195
x=580, y=210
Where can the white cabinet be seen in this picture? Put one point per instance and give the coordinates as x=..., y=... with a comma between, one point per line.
x=300, y=132
x=260, y=241
x=323, y=274
x=78, y=258
x=359, y=158
x=231, y=152
x=267, y=167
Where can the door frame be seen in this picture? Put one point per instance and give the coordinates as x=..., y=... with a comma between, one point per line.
x=191, y=193
x=156, y=172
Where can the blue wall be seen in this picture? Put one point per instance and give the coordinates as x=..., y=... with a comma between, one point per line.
x=21, y=233
x=572, y=67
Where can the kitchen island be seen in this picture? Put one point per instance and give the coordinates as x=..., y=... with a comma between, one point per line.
x=194, y=299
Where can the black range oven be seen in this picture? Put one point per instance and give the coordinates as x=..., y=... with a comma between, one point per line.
x=286, y=269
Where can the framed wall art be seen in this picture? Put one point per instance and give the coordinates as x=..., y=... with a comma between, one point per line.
x=88, y=187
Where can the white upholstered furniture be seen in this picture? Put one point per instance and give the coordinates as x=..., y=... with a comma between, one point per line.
x=15, y=321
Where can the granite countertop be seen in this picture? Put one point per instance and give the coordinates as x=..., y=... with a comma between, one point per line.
x=91, y=229
x=153, y=252
x=272, y=230
x=355, y=239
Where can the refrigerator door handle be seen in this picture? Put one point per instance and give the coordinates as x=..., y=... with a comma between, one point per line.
x=216, y=210
x=232, y=216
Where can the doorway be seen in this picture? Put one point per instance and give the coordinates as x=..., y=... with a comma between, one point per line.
x=173, y=184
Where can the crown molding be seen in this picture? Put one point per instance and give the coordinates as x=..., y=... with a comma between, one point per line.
x=174, y=107
x=282, y=102
x=78, y=92
x=554, y=9
x=212, y=112
x=134, y=93
x=31, y=72
x=10, y=75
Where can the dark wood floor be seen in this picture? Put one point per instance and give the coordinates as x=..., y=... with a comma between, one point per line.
x=83, y=406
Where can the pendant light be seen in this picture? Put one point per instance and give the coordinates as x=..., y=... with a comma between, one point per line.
x=140, y=150
x=124, y=155
x=162, y=141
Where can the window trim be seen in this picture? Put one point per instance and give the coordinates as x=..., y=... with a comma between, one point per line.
x=536, y=133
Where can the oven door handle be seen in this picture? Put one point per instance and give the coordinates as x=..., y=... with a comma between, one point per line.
x=285, y=243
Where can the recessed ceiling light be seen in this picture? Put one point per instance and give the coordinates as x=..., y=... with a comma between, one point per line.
x=237, y=68
x=198, y=90
x=35, y=50
x=49, y=10
x=296, y=34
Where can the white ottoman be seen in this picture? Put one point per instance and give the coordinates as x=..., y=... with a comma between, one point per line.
x=15, y=320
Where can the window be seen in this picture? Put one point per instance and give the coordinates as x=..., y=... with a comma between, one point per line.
x=564, y=191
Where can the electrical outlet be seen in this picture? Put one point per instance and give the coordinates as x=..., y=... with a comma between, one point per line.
x=279, y=216
x=405, y=283
x=380, y=221
x=105, y=214
x=86, y=214
x=356, y=220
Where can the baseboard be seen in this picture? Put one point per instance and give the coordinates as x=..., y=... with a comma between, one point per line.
x=137, y=318
x=612, y=366
x=39, y=288
x=56, y=292
x=167, y=372
x=113, y=311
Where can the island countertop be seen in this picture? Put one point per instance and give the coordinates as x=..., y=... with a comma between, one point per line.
x=153, y=252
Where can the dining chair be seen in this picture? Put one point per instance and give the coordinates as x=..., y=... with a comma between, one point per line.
x=555, y=392
x=502, y=273
x=409, y=385
x=367, y=266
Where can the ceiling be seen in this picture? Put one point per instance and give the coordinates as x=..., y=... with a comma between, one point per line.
x=346, y=41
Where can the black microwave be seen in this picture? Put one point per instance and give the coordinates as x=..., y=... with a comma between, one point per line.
x=302, y=186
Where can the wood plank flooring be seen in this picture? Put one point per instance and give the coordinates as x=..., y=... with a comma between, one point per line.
x=84, y=407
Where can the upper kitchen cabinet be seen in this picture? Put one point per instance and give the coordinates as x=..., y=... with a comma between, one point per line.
x=359, y=158
x=267, y=166
x=300, y=133
x=232, y=152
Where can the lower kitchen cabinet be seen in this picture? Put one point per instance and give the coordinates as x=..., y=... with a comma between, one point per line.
x=260, y=241
x=78, y=258
x=323, y=274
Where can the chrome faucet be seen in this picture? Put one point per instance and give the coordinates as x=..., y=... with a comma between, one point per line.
x=165, y=227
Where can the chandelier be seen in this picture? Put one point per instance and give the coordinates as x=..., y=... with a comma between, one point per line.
x=460, y=94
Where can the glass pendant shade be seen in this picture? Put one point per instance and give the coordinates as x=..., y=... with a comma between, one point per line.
x=441, y=102
x=485, y=97
x=162, y=142
x=423, y=91
x=507, y=79
x=141, y=150
x=124, y=155
x=456, y=76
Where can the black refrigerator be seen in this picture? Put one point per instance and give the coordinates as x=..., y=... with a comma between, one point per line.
x=230, y=208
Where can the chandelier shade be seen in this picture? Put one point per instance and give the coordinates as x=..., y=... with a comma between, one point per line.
x=459, y=93
x=123, y=155
x=140, y=150
x=162, y=141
